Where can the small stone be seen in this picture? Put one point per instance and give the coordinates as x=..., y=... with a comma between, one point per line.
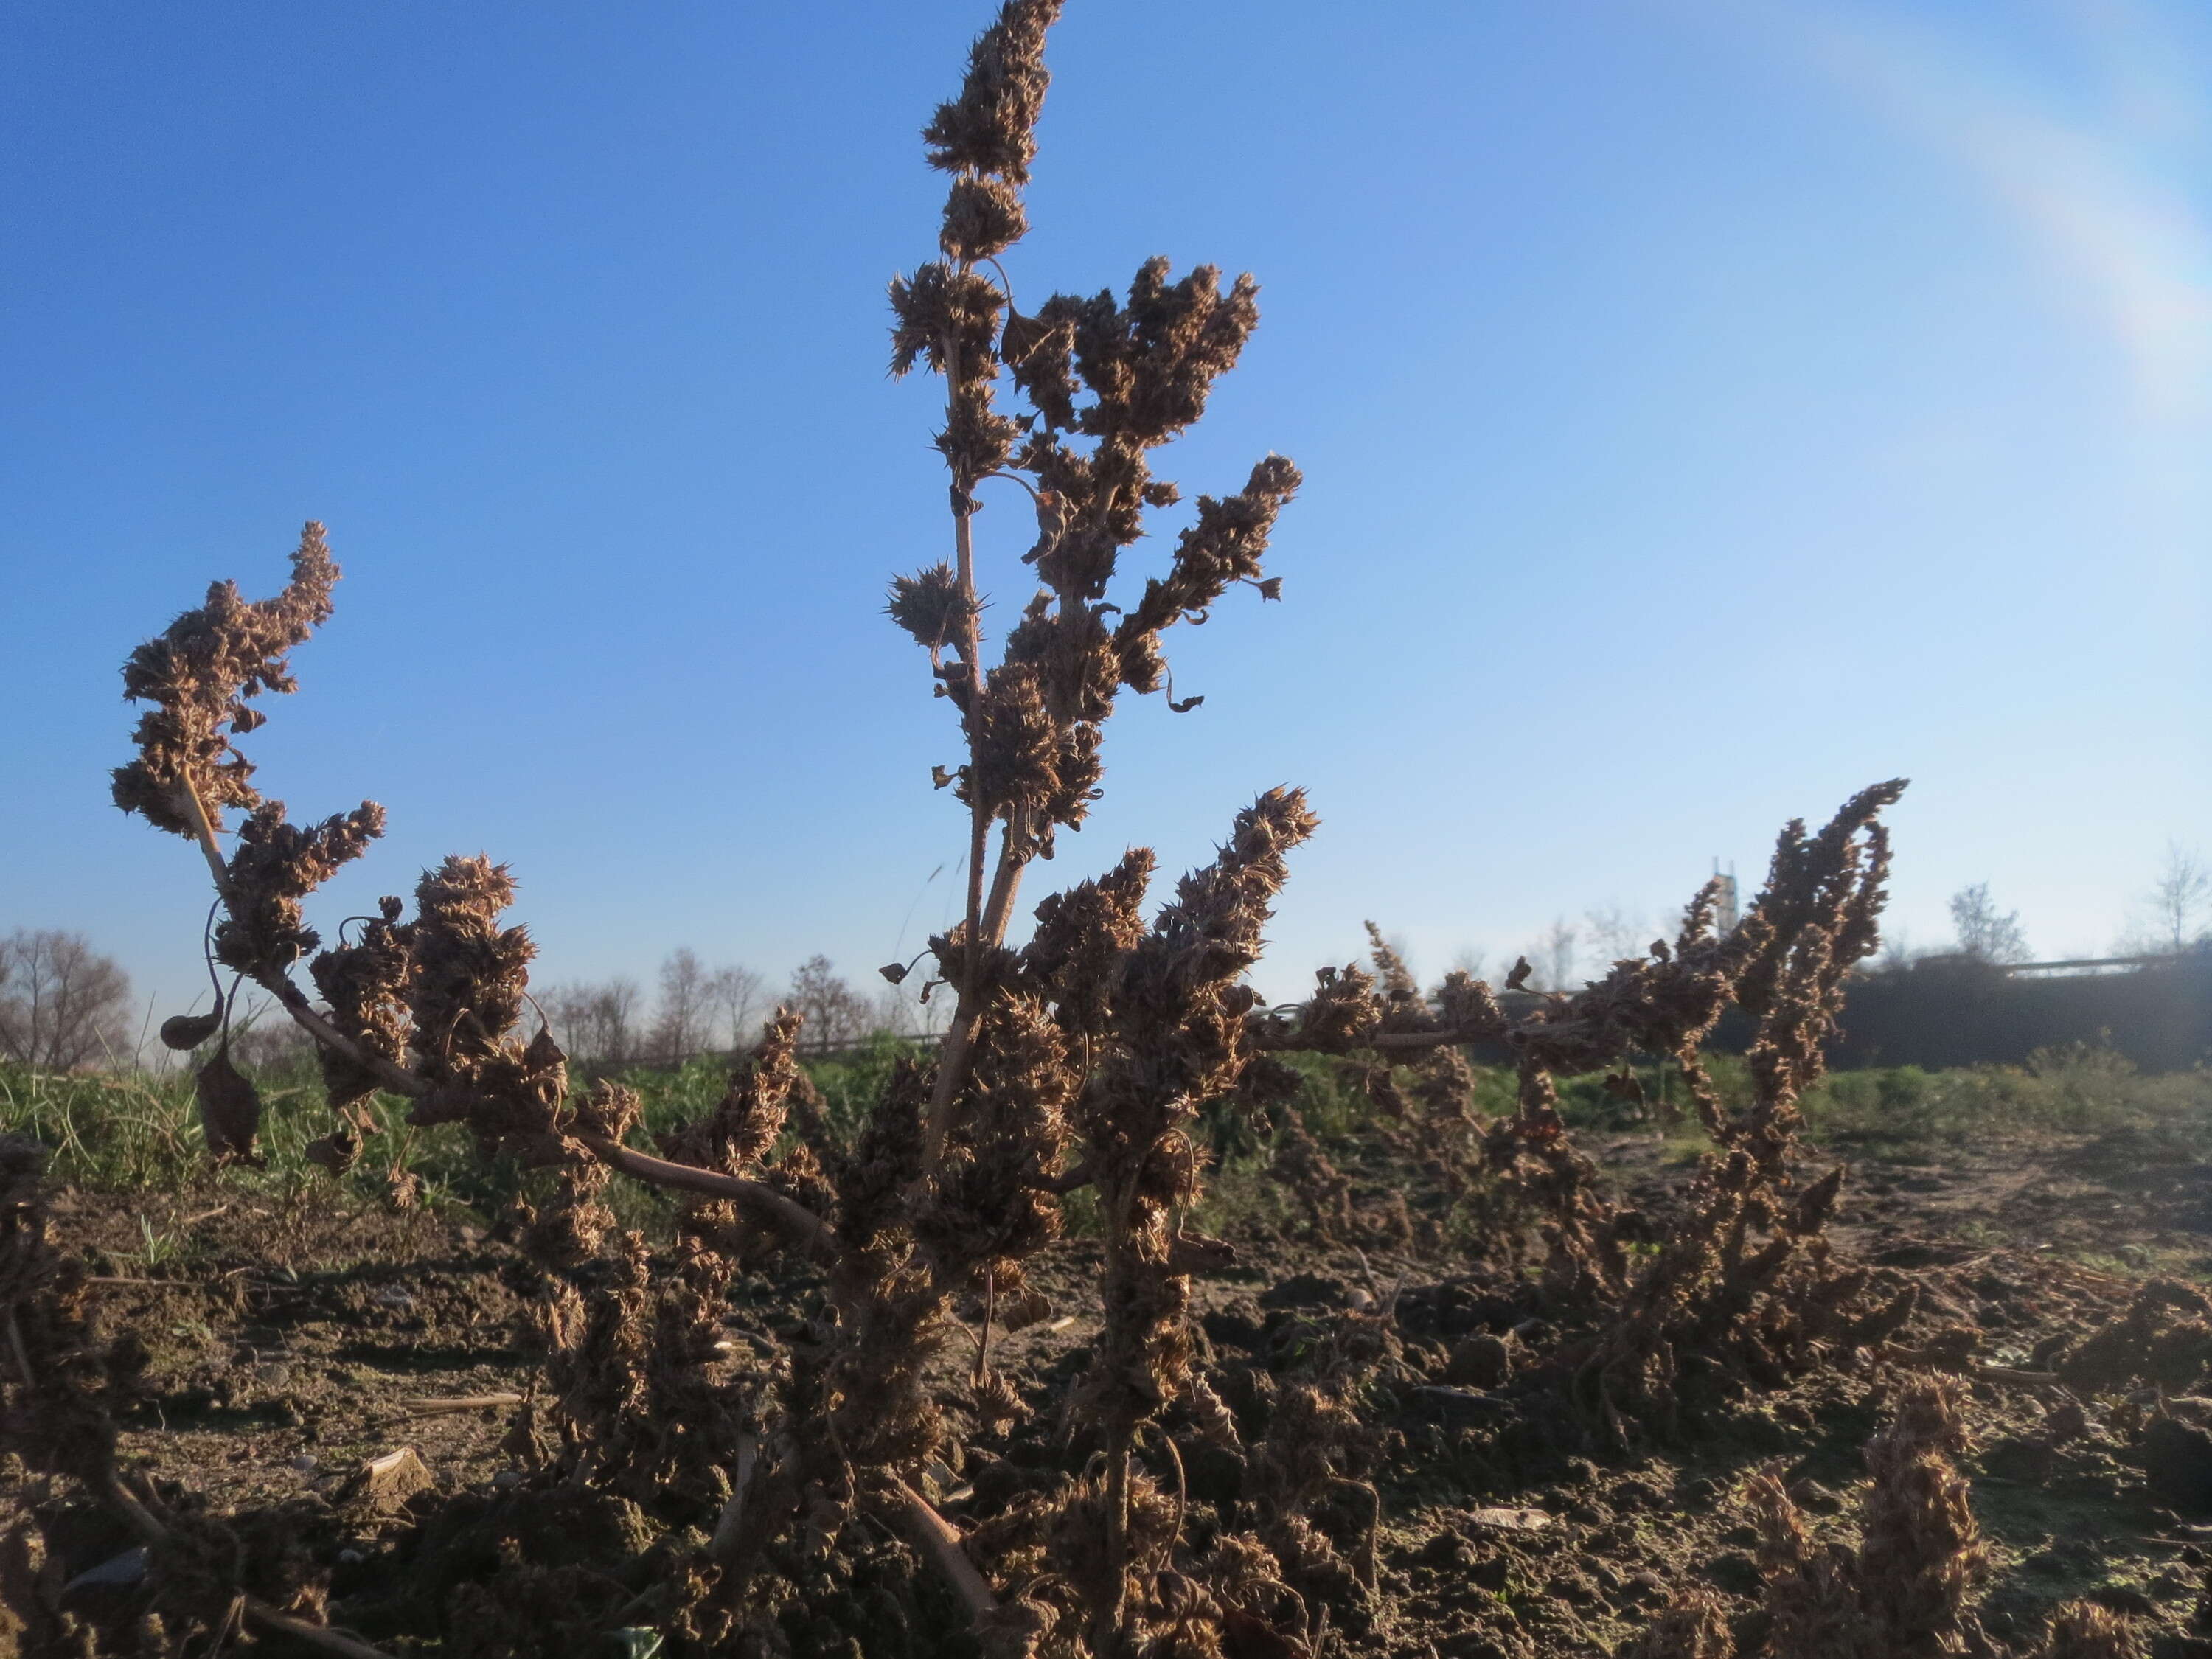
x=385, y=1484
x=1735, y=1572
x=1503, y=1520
x=1810, y=1496
x=117, y=1572
x=2027, y=1462
x=2127, y=1600
x=1446, y=1549
x=2178, y=1465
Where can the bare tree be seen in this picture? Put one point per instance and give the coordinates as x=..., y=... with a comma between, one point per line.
x=680, y=1019
x=62, y=1003
x=1616, y=933
x=1898, y=952
x=1468, y=960
x=595, y=1021
x=835, y=1012
x=1553, y=957
x=1985, y=933
x=2179, y=902
x=733, y=999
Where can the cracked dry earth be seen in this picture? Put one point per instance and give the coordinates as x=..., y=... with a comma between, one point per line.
x=313, y=1369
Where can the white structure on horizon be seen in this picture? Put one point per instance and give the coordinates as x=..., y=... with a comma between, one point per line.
x=1726, y=914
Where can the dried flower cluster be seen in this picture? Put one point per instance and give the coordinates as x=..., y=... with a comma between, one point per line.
x=1748, y=1285
x=200, y=676
x=781, y=1468
x=1907, y=1587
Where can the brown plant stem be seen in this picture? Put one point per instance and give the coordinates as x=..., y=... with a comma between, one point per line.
x=436, y=1405
x=293, y=1000
x=987, y=926
x=724, y=1544
x=795, y=1218
x=1117, y=1537
x=2008, y=1374
x=22, y=1355
x=940, y=1541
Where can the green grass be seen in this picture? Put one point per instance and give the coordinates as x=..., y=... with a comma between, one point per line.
x=130, y=1133
x=126, y=1134
x=2072, y=1091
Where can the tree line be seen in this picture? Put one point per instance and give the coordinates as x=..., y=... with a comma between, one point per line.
x=2171, y=916
x=63, y=1005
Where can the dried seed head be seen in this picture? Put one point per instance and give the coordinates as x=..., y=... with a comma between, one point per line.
x=1081, y=938
x=947, y=318
x=1222, y=548
x=1812, y=1594
x=983, y=218
x=1391, y=973
x=1923, y=1552
x=610, y=1111
x=276, y=865
x=874, y=1177
x=467, y=972
x=199, y=674
x=989, y=127
x=2082, y=1629
x=1016, y=742
x=746, y=1123
x=930, y=605
x=365, y=985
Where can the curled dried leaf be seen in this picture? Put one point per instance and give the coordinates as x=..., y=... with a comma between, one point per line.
x=184, y=1032
x=230, y=1110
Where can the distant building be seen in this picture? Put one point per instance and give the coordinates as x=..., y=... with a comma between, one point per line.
x=1726, y=914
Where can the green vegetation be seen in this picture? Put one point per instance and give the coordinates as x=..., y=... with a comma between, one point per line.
x=2077, y=1090
x=137, y=1132
x=127, y=1132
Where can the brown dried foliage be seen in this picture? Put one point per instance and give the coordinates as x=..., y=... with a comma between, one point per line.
x=1081, y=1057
x=2164, y=1337
x=60, y=1386
x=200, y=676
x=1747, y=1286
x=1905, y=1589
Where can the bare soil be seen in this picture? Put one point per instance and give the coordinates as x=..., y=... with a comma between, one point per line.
x=293, y=1343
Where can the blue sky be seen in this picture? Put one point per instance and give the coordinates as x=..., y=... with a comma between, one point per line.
x=1707, y=408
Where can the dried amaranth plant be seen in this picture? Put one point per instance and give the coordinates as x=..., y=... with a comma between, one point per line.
x=1095, y=1042
x=1078, y=1059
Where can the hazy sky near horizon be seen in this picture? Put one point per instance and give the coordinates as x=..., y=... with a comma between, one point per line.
x=1708, y=407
